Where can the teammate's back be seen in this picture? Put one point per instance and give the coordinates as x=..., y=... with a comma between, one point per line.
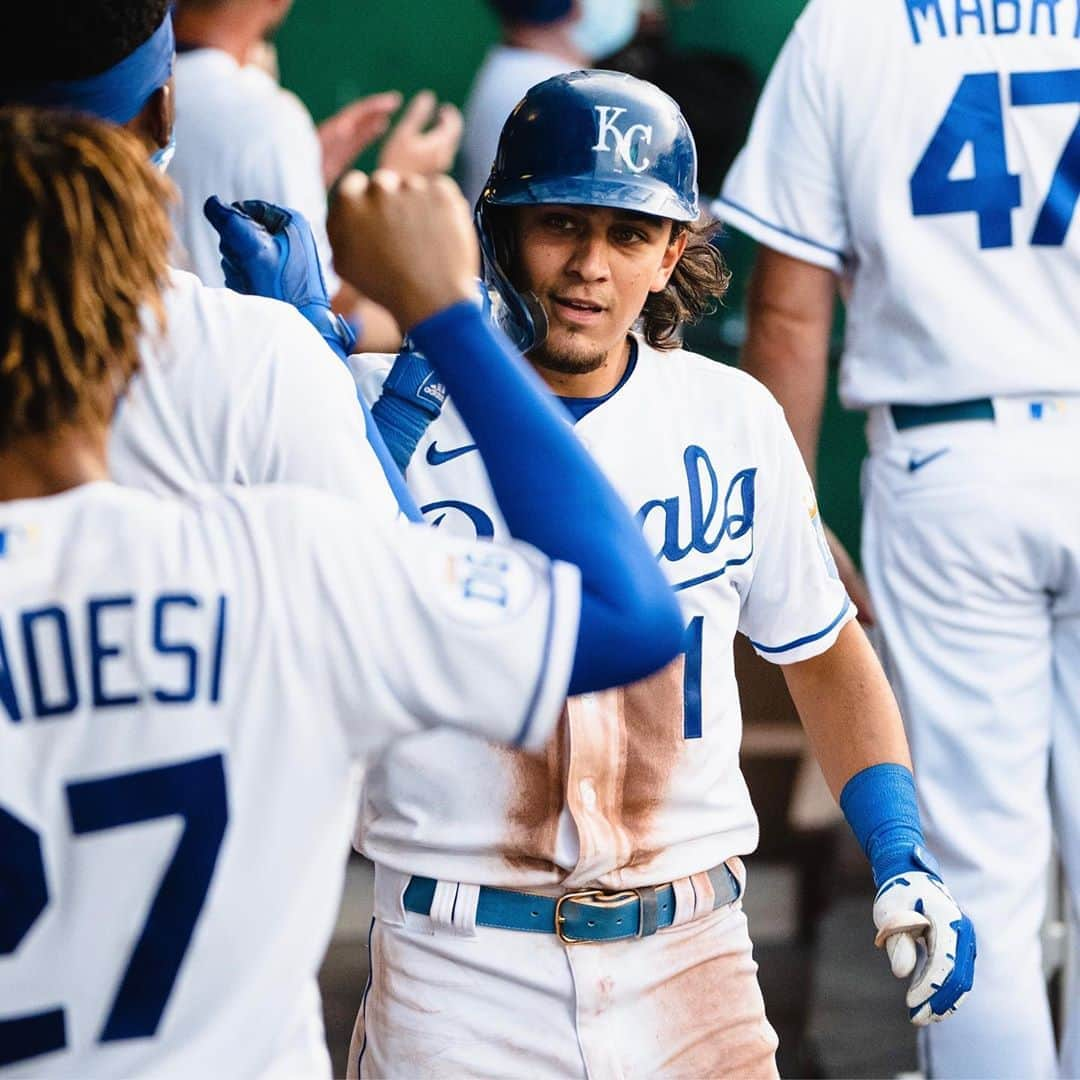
x=173, y=743
x=960, y=223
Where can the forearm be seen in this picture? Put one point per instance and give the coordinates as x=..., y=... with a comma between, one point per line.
x=789, y=320
x=848, y=709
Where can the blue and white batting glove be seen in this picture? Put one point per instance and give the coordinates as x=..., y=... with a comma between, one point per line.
x=269, y=250
x=927, y=936
x=919, y=924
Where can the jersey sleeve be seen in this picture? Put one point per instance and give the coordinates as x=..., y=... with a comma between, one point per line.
x=302, y=422
x=796, y=605
x=413, y=628
x=784, y=188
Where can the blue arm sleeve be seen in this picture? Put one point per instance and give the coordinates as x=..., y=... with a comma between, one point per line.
x=394, y=477
x=412, y=397
x=553, y=496
x=879, y=804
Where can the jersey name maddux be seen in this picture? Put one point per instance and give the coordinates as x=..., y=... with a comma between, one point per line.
x=642, y=784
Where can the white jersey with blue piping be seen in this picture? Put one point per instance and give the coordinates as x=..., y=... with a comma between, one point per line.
x=642, y=784
x=185, y=688
x=242, y=390
x=969, y=204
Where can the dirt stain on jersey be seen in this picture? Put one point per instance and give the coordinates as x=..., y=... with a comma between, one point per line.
x=653, y=718
x=623, y=746
x=535, y=802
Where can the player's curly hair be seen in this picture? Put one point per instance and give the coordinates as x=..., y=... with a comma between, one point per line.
x=84, y=242
x=697, y=285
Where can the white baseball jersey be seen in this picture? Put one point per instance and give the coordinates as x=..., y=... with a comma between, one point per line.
x=241, y=136
x=501, y=82
x=184, y=687
x=242, y=390
x=643, y=784
x=968, y=205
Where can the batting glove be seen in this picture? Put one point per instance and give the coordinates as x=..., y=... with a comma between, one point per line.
x=926, y=935
x=269, y=250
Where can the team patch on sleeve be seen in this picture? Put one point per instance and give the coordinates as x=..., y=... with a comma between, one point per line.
x=481, y=587
x=819, y=535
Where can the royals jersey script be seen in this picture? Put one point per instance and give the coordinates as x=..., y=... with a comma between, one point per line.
x=973, y=195
x=642, y=784
x=184, y=686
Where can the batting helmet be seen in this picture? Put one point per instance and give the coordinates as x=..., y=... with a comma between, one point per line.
x=588, y=138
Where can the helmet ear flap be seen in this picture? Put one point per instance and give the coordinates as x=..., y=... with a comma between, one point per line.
x=519, y=315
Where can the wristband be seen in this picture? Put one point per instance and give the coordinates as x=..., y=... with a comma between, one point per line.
x=879, y=804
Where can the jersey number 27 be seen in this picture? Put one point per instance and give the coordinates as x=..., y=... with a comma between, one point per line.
x=195, y=792
x=975, y=115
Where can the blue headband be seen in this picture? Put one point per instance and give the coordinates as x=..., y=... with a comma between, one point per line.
x=117, y=94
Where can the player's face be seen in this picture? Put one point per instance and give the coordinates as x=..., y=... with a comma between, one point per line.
x=592, y=268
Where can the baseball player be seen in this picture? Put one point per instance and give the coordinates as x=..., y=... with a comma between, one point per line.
x=182, y=679
x=227, y=394
x=242, y=136
x=924, y=158
x=627, y=830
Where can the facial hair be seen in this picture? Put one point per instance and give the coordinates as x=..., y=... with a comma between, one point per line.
x=565, y=363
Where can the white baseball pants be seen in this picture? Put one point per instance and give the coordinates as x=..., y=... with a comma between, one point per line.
x=447, y=998
x=971, y=547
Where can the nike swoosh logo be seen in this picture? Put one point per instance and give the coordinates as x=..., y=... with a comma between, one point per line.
x=915, y=464
x=436, y=456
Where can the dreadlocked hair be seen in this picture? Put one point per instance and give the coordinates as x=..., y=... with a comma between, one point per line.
x=696, y=286
x=84, y=241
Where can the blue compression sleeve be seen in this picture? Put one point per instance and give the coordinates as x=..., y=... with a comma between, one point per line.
x=553, y=496
x=394, y=478
x=412, y=397
x=879, y=804
x=402, y=426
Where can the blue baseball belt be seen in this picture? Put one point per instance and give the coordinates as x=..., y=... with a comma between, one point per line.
x=585, y=915
x=909, y=416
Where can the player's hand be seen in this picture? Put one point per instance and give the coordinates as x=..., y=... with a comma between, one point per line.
x=409, y=148
x=408, y=243
x=350, y=131
x=926, y=935
x=269, y=250
x=850, y=578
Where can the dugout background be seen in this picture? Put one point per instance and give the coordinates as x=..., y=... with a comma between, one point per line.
x=332, y=51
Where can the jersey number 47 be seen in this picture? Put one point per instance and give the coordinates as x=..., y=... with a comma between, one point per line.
x=975, y=115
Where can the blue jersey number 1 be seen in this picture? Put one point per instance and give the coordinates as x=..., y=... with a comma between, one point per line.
x=694, y=639
x=975, y=116
x=193, y=791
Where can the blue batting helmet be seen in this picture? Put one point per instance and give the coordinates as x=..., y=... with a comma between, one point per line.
x=588, y=138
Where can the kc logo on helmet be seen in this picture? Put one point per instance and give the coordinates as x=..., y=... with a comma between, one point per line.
x=627, y=144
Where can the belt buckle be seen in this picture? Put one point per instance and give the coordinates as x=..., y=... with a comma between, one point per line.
x=599, y=898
